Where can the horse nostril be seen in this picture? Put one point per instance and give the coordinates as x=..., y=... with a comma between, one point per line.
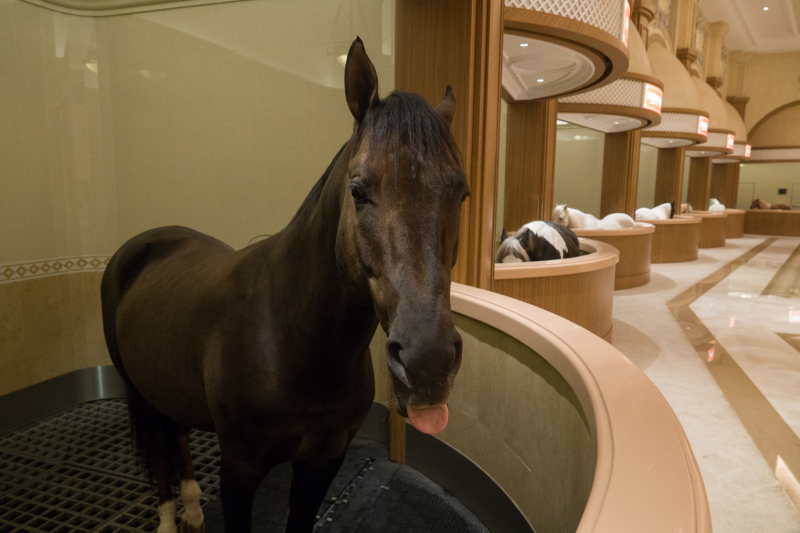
x=457, y=359
x=393, y=349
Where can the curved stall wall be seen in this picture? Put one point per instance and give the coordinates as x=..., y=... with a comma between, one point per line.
x=634, y=245
x=580, y=289
x=772, y=222
x=734, y=224
x=712, y=228
x=546, y=409
x=675, y=240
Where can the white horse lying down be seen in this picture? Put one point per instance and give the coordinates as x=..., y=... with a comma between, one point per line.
x=576, y=219
x=686, y=208
x=661, y=212
x=714, y=205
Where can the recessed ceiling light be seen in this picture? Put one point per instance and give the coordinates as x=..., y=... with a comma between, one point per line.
x=766, y=9
x=523, y=44
x=540, y=80
x=616, y=123
x=671, y=142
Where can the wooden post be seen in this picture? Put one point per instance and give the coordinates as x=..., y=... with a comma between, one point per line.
x=699, y=182
x=460, y=43
x=669, y=177
x=620, y=172
x=734, y=190
x=725, y=183
x=530, y=162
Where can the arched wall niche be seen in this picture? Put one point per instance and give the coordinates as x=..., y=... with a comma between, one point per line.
x=106, y=8
x=779, y=127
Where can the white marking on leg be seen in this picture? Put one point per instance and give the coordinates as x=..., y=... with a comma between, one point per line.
x=190, y=493
x=166, y=513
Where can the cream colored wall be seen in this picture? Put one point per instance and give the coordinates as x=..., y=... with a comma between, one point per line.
x=770, y=80
x=781, y=129
x=767, y=178
x=685, y=194
x=501, y=175
x=579, y=168
x=220, y=117
x=646, y=191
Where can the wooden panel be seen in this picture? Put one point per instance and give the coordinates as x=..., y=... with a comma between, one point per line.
x=712, y=229
x=633, y=268
x=620, y=172
x=699, y=182
x=674, y=243
x=530, y=161
x=397, y=437
x=669, y=176
x=772, y=222
x=734, y=224
x=724, y=178
x=459, y=43
x=586, y=298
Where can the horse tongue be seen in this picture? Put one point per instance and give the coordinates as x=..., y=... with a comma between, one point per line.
x=429, y=420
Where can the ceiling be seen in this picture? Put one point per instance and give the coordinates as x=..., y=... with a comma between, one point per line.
x=752, y=29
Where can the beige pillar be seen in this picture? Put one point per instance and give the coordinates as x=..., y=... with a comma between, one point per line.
x=682, y=28
x=530, y=162
x=716, y=38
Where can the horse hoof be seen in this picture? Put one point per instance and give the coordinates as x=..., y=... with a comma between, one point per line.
x=186, y=527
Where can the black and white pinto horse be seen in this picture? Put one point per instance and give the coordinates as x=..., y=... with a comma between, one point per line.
x=538, y=241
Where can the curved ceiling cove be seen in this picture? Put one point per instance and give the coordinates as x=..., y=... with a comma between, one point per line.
x=106, y=8
x=538, y=69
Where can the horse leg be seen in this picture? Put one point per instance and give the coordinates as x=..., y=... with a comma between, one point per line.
x=167, y=506
x=240, y=475
x=309, y=486
x=192, y=518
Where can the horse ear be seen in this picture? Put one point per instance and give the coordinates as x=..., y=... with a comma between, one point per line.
x=360, y=81
x=503, y=235
x=447, y=107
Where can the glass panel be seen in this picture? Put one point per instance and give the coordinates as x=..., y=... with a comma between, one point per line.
x=646, y=188
x=579, y=168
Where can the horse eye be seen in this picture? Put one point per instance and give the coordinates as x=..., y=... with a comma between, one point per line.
x=358, y=193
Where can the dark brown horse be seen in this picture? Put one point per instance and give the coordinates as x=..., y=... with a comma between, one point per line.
x=761, y=204
x=269, y=345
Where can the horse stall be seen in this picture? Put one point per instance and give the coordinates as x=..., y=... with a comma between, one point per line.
x=772, y=222
x=675, y=239
x=734, y=224
x=580, y=289
x=712, y=228
x=635, y=247
x=541, y=418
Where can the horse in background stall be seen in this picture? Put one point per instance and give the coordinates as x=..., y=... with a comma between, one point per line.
x=715, y=206
x=269, y=345
x=538, y=241
x=761, y=204
x=686, y=209
x=576, y=219
x=664, y=211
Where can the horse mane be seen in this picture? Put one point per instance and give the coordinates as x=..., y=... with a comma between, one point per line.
x=511, y=247
x=406, y=119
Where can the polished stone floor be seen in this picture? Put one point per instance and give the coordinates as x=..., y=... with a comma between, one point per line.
x=720, y=337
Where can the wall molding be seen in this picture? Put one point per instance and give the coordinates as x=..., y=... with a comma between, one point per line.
x=108, y=8
x=25, y=270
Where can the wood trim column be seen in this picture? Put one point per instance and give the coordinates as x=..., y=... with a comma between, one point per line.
x=460, y=43
x=620, y=172
x=734, y=194
x=724, y=183
x=530, y=162
x=699, y=182
x=669, y=176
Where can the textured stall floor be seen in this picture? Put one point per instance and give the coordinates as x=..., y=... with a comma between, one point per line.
x=76, y=471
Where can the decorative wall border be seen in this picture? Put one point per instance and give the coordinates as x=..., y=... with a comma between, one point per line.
x=52, y=267
x=108, y=8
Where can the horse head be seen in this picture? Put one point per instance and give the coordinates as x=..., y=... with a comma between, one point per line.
x=561, y=215
x=397, y=239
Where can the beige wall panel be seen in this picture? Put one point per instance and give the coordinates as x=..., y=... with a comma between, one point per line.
x=648, y=163
x=766, y=179
x=579, y=169
x=780, y=129
x=770, y=80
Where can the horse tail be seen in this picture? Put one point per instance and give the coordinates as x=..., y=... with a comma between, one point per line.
x=155, y=435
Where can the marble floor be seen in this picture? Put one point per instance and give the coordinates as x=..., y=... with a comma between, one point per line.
x=720, y=337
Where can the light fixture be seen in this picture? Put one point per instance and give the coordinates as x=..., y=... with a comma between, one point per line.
x=342, y=59
x=523, y=45
x=766, y=9
x=671, y=142
x=540, y=80
x=616, y=123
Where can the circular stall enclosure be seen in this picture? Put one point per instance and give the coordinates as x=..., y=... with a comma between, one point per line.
x=559, y=47
x=712, y=228
x=675, y=240
x=572, y=432
x=734, y=224
x=772, y=222
x=634, y=245
x=580, y=289
x=629, y=103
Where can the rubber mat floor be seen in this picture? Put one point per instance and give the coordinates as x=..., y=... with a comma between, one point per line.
x=75, y=471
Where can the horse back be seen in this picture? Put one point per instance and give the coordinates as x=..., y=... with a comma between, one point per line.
x=571, y=240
